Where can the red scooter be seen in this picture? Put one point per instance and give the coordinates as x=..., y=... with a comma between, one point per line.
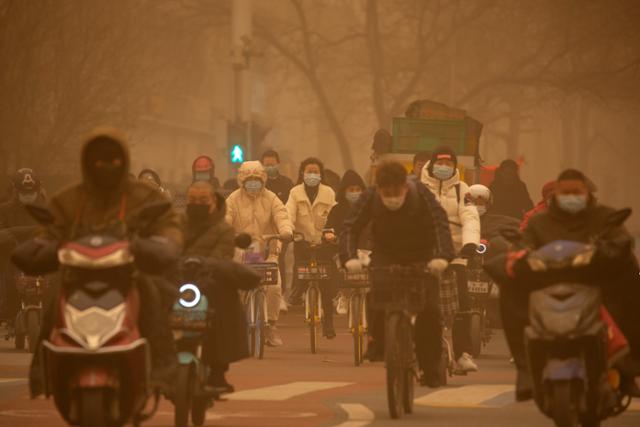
x=96, y=364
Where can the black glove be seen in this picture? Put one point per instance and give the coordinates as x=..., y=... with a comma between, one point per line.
x=36, y=257
x=468, y=250
x=155, y=254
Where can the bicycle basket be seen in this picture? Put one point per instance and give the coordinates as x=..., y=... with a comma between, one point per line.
x=268, y=271
x=355, y=280
x=398, y=288
x=308, y=272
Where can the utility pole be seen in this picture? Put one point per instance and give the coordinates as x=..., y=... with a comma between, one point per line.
x=241, y=41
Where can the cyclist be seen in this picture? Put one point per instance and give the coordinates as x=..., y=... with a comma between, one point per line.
x=254, y=210
x=309, y=205
x=442, y=177
x=408, y=226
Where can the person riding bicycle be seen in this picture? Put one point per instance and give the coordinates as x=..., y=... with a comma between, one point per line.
x=102, y=203
x=152, y=178
x=575, y=215
x=408, y=227
x=309, y=205
x=254, y=210
x=17, y=226
x=442, y=177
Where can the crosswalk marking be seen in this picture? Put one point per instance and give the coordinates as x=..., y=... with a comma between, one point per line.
x=357, y=415
x=285, y=391
x=471, y=396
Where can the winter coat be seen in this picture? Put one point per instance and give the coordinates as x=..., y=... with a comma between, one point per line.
x=464, y=220
x=281, y=185
x=340, y=211
x=308, y=218
x=416, y=233
x=214, y=240
x=510, y=195
x=83, y=208
x=259, y=214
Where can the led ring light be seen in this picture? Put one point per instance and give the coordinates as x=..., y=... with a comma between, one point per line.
x=196, y=298
x=482, y=248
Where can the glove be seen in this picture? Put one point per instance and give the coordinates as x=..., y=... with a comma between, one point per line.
x=353, y=265
x=36, y=257
x=154, y=254
x=437, y=266
x=468, y=250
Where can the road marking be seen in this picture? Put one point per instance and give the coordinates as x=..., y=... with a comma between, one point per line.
x=285, y=391
x=357, y=415
x=12, y=380
x=471, y=396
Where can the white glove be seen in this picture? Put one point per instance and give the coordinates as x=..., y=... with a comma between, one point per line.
x=353, y=265
x=437, y=266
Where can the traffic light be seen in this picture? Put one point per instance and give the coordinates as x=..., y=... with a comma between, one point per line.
x=237, y=142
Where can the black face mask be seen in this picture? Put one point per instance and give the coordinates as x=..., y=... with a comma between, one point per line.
x=197, y=213
x=107, y=177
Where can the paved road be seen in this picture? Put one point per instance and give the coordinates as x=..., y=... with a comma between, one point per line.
x=294, y=388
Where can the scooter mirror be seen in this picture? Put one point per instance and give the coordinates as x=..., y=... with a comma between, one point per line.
x=618, y=218
x=40, y=213
x=243, y=241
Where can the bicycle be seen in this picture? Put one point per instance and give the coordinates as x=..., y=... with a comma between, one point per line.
x=401, y=292
x=356, y=286
x=255, y=300
x=480, y=288
x=312, y=273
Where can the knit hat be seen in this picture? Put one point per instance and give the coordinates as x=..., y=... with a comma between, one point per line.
x=442, y=152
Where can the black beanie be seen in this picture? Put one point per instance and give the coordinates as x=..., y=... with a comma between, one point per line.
x=443, y=151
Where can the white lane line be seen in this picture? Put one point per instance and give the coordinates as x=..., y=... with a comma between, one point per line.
x=357, y=415
x=12, y=380
x=285, y=391
x=471, y=396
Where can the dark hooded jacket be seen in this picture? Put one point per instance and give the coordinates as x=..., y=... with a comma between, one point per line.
x=340, y=211
x=215, y=241
x=510, y=195
x=83, y=208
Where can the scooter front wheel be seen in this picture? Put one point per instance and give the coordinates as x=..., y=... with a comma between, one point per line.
x=93, y=408
x=32, y=322
x=183, y=395
x=564, y=404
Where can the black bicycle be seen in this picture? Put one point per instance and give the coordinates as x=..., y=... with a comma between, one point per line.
x=401, y=292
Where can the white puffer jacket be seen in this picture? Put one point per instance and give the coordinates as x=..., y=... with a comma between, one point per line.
x=309, y=218
x=259, y=214
x=464, y=220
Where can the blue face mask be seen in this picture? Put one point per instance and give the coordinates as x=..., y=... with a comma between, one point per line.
x=353, y=196
x=572, y=203
x=442, y=172
x=312, y=179
x=253, y=186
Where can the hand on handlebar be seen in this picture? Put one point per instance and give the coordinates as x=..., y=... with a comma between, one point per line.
x=437, y=266
x=354, y=266
x=468, y=250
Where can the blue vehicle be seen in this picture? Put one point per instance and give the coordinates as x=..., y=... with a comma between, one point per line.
x=190, y=317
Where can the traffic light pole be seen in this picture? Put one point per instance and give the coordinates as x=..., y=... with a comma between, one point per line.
x=241, y=34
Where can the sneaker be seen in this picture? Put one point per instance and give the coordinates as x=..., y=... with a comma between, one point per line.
x=328, y=331
x=342, y=307
x=373, y=353
x=430, y=379
x=284, y=308
x=466, y=363
x=272, y=338
x=524, y=388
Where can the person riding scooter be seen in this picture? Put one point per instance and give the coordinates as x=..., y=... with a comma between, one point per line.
x=103, y=203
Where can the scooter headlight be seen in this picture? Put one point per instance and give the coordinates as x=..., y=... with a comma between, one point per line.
x=190, y=295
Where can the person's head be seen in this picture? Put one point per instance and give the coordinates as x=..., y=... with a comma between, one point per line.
x=351, y=187
x=419, y=160
x=382, y=142
x=27, y=185
x=201, y=201
x=480, y=196
x=105, y=160
x=572, y=193
x=311, y=172
x=150, y=177
x=547, y=191
x=203, y=168
x=443, y=163
x=391, y=185
x=271, y=161
x=508, y=170
x=252, y=177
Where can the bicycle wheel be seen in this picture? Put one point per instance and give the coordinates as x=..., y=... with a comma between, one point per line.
x=313, y=310
x=394, y=357
x=477, y=334
x=406, y=338
x=261, y=324
x=251, y=326
x=357, y=328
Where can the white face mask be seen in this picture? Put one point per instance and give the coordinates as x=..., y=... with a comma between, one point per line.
x=393, y=203
x=26, y=198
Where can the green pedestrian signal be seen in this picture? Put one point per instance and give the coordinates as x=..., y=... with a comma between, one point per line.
x=237, y=154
